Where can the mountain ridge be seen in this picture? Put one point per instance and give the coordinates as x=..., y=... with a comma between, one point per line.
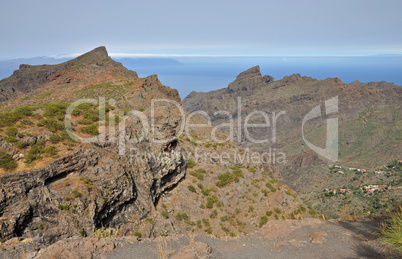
x=297, y=95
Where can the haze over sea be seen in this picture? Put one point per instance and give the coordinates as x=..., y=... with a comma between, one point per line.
x=204, y=74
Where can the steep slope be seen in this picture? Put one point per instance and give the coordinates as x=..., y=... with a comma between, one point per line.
x=369, y=120
x=54, y=186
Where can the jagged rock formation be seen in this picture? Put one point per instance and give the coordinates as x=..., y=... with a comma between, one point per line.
x=377, y=85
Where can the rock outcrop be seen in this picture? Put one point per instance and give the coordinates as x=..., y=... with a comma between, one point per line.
x=28, y=78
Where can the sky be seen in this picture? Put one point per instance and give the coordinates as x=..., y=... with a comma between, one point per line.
x=183, y=27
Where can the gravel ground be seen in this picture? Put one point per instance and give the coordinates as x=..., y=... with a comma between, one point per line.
x=308, y=238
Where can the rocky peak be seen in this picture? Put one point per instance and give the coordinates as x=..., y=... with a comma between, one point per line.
x=249, y=73
x=24, y=66
x=29, y=78
x=95, y=55
x=291, y=79
x=248, y=80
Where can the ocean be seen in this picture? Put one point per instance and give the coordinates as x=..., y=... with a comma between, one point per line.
x=206, y=74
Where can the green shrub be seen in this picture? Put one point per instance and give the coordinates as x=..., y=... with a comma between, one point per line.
x=11, y=131
x=278, y=210
x=199, y=225
x=138, y=234
x=35, y=152
x=263, y=220
x=276, y=216
x=54, y=109
x=198, y=175
x=6, y=161
x=200, y=186
x=252, y=169
x=269, y=213
x=206, y=222
x=213, y=214
x=20, y=144
x=165, y=214
x=150, y=220
x=206, y=191
x=225, y=218
x=64, y=136
x=288, y=192
x=191, y=163
x=210, y=202
x=208, y=230
x=20, y=135
x=90, y=129
x=191, y=188
x=392, y=234
x=117, y=119
x=26, y=122
x=181, y=216
x=269, y=185
x=237, y=173
x=60, y=117
x=24, y=111
x=8, y=118
x=84, y=122
x=10, y=139
x=51, y=124
x=91, y=115
x=40, y=226
x=283, y=217
x=55, y=138
x=76, y=193
x=201, y=171
x=29, y=158
x=51, y=151
x=224, y=179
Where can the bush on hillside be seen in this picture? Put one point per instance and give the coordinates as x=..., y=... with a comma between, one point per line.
x=6, y=161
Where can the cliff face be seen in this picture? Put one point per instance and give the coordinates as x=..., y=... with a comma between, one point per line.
x=86, y=186
x=89, y=188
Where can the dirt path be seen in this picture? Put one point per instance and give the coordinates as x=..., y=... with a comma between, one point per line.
x=308, y=238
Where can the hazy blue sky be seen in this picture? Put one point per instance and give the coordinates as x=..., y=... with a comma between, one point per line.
x=229, y=27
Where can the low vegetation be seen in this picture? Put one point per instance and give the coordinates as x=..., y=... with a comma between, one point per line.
x=6, y=161
x=392, y=234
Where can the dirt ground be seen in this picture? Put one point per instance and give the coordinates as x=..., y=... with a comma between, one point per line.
x=308, y=238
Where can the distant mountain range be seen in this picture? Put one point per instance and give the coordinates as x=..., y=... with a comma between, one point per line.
x=369, y=115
